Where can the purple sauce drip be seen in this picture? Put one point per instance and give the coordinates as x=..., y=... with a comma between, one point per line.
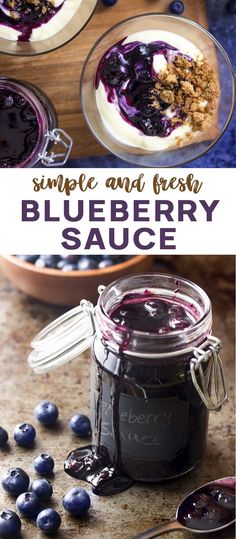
x=29, y=16
x=209, y=508
x=126, y=71
x=19, y=129
x=152, y=314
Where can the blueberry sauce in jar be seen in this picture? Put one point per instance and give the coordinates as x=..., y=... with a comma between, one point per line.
x=26, y=115
x=25, y=16
x=210, y=507
x=149, y=421
x=127, y=73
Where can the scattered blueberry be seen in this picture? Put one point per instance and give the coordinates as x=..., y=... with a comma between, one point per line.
x=28, y=504
x=3, y=437
x=105, y=263
x=24, y=434
x=48, y=521
x=231, y=7
x=80, y=424
x=29, y=258
x=10, y=524
x=109, y=2
x=44, y=464
x=15, y=481
x=76, y=501
x=177, y=7
x=42, y=488
x=46, y=413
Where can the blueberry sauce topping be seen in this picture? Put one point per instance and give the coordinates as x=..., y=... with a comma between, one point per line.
x=208, y=508
x=26, y=15
x=129, y=78
x=19, y=129
x=152, y=314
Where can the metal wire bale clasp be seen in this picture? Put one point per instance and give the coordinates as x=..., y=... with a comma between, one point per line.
x=214, y=373
x=53, y=139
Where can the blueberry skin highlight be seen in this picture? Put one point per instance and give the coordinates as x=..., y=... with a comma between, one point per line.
x=76, y=502
x=42, y=488
x=44, y=464
x=24, y=434
x=176, y=7
x=15, y=481
x=10, y=524
x=28, y=504
x=3, y=437
x=48, y=521
x=46, y=413
x=80, y=425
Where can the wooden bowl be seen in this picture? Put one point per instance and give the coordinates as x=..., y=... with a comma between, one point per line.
x=61, y=288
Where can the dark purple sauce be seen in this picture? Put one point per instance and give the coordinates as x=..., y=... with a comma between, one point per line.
x=19, y=129
x=209, y=508
x=152, y=314
x=28, y=16
x=149, y=423
x=126, y=70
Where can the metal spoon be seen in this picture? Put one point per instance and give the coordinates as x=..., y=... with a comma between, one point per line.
x=177, y=523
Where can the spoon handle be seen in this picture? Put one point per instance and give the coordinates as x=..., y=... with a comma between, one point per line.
x=171, y=525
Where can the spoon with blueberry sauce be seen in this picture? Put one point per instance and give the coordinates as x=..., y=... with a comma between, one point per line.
x=210, y=508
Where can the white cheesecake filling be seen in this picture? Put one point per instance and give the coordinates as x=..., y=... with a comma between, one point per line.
x=128, y=134
x=47, y=29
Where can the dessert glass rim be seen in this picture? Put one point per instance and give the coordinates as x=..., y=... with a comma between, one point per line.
x=139, y=334
x=52, y=48
x=168, y=17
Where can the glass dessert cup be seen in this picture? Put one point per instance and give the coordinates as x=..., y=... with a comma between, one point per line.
x=72, y=28
x=212, y=52
x=28, y=128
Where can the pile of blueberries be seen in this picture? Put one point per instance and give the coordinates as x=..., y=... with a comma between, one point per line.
x=32, y=500
x=74, y=262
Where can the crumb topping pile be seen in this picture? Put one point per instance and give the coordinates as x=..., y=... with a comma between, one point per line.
x=190, y=86
x=19, y=7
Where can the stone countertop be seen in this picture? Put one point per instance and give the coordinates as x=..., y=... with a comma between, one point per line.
x=123, y=515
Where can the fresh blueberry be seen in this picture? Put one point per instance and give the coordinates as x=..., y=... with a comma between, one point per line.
x=47, y=261
x=76, y=501
x=3, y=437
x=15, y=481
x=46, y=413
x=10, y=524
x=86, y=263
x=105, y=263
x=231, y=7
x=28, y=504
x=48, y=521
x=44, y=464
x=42, y=488
x=80, y=424
x=69, y=267
x=109, y=2
x=177, y=7
x=28, y=258
x=24, y=434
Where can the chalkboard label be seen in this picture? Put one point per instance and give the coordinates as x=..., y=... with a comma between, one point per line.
x=155, y=429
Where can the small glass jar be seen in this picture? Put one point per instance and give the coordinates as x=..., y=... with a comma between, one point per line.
x=151, y=393
x=28, y=128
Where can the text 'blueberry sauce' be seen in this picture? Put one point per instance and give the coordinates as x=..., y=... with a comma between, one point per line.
x=26, y=16
x=137, y=311
x=127, y=73
x=19, y=129
x=209, y=508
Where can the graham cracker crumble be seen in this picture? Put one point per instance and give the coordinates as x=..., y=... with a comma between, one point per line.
x=192, y=88
x=41, y=8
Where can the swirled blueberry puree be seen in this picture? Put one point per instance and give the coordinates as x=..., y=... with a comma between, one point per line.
x=19, y=128
x=153, y=314
x=26, y=15
x=210, y=507
x=126, y=95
